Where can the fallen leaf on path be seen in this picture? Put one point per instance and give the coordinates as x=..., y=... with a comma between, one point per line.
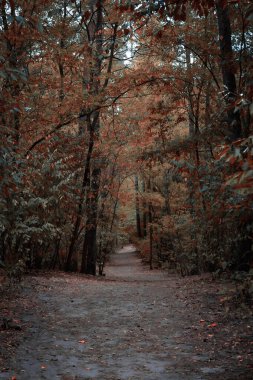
x=82, y=341
x=225, y=299
x=213, y=324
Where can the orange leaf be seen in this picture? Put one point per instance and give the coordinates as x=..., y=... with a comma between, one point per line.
x=82, y=341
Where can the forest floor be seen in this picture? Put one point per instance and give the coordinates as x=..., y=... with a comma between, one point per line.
x=132, y=324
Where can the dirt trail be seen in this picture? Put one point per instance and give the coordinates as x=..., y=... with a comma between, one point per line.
x=132, y=324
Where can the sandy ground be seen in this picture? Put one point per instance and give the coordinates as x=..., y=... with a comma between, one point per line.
x=132, y=324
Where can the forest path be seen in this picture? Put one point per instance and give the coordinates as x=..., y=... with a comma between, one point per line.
x=133, y=324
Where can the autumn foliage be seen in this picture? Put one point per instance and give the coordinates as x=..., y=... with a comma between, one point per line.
x=96, y=93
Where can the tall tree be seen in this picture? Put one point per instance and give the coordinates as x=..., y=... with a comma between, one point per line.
x=229, y=69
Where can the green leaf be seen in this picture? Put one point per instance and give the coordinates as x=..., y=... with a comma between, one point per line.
x=3, y=74
x=10, y=18
x=40, y=27
x=20, y=20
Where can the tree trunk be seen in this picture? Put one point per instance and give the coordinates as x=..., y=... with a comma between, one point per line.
x=89, y=254
x=166, y=193
x=75, y=233
x=228, y=70
x=144, y=206
x=2, y=246
x=150, y=220
x=56, y=256
x=150, y=236
x=137, y=208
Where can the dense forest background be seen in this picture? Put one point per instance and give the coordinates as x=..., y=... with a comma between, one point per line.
x=126, y=120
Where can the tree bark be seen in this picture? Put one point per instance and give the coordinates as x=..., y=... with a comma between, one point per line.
x=86, y=175
x=228, y=70
x=137, y=208
x=89, y=253
x=144, y=207
x=150, y=220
